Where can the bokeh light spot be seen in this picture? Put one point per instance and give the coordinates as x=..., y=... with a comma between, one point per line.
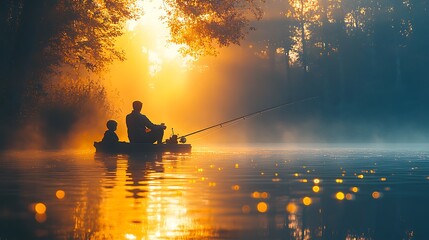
x=40, y=208
x=262, y=207
x=291, y=208
x=376, y=195
x=307, y=201
x=340, y=196
x=256, y=195
x=316, y=189
x=264, y=195
x=245, y=209
x=350, y=196
x=60, y=194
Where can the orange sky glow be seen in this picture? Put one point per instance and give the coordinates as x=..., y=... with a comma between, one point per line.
x=185, y=93
x=157, y=74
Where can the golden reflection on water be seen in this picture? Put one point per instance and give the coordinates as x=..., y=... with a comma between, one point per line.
x=173, y=197
x=146, y=198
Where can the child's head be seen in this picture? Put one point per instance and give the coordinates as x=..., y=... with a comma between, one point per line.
x=112, y=125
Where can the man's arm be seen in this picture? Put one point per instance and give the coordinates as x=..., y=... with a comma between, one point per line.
x=147, y=122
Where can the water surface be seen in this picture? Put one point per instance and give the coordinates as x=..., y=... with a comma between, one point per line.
x=265, y=192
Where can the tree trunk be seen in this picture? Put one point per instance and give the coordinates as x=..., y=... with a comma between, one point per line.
x=287, y=64
x=303, y=42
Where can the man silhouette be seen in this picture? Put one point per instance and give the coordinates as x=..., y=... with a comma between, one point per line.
x=141, y=129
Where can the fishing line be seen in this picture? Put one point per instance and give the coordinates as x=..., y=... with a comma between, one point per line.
x=244, y=117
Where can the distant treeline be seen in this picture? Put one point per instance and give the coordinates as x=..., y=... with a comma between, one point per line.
x=366, y=60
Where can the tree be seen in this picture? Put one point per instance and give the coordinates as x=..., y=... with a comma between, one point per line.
x=302, y=15
x=203, y=26
x=42, y=37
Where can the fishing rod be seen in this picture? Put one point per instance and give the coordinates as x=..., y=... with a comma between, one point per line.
x=226, y=123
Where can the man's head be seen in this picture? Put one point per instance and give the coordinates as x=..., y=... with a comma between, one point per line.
x=112, y=125
x=137, y=106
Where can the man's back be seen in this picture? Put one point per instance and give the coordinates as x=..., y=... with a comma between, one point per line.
x=136, y=125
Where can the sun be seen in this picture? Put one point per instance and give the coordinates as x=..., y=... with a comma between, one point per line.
x=157, y=48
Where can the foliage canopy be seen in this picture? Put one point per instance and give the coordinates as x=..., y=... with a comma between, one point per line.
x=201, y=27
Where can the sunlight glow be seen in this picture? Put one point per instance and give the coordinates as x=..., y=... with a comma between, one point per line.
x=154, y=72
x=158, y=49
x=130, y=236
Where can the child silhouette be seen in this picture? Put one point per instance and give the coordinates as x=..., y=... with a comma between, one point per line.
x=110, y=136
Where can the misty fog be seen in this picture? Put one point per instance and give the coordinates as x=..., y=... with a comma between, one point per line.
x=369, y=85
x=364, y=61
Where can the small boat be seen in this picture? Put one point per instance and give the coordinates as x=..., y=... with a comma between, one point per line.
x=129, y=148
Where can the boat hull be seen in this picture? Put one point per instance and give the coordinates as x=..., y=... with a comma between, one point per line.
x=124, y=147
